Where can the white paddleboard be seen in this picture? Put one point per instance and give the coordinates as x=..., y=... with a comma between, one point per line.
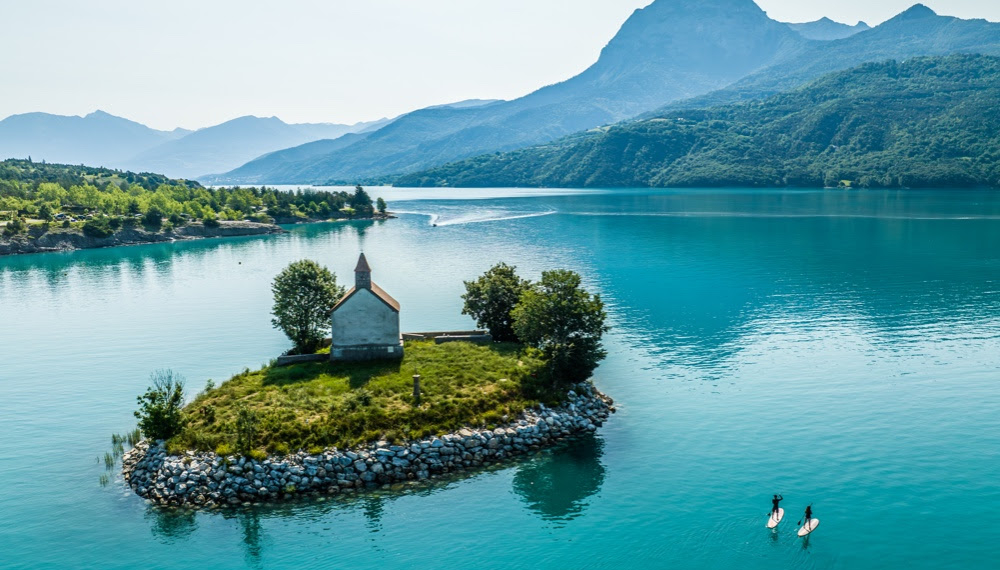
x=774, y=518
x=809, y=527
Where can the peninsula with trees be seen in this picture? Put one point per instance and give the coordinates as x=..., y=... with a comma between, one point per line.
x=56, y=207
x=369, y=407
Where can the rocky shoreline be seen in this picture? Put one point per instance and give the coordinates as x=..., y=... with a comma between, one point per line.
x=68, y=240
x=206, y=480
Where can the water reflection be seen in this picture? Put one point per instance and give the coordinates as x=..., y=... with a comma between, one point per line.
x=373, y=508
x=557, y=484
x=171, y=525
x=250, y=525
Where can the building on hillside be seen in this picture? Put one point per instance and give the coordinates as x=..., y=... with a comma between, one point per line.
x=365, y=321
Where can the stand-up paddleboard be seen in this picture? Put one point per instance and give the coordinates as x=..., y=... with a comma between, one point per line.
x=809, y=527
x=774, y=518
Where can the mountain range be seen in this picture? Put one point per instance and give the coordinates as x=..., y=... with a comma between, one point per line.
x=673, y=54
x=102, y=139
x=667, y=51
x=925, y=122
x=918, y=31
x=669, y=57
x=826, y=29
x=230, y=144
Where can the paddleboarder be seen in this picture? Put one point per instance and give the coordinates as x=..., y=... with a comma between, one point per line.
x=774, y=504
x=809, y=515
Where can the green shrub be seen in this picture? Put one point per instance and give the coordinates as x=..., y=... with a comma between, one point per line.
x=14, y=227
x=159, y=412
x=224, y=449
x=45, y=212
x=257, y=454
x=208, y=413
x=359, y=399
x=65, y=223
x=177, y=220
x=99, y=227
x=261, y=218
x=247, y=424
x=153, y=218
x=209, y=220
x=281, y=448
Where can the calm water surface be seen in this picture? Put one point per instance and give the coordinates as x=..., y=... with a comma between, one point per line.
x=840, y=348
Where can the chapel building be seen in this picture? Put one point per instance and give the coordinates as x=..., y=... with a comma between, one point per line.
x=365, y=321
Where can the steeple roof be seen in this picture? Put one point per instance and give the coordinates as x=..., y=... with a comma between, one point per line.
x=362, y=265
x=379, y=293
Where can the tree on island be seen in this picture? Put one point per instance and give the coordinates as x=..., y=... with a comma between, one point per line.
x=304, y=294
x=491, y=298
x=381, y=205
x=565, y=322
x=159, y=412
x=361, y=202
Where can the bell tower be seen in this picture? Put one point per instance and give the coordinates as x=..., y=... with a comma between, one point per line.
x=362, y=274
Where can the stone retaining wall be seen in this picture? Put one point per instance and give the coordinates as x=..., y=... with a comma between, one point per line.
x=208, y=480
x=59, y=239
x=300, y=358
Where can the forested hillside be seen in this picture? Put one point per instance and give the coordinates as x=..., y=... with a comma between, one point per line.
x=40, y=193
x=921, y=123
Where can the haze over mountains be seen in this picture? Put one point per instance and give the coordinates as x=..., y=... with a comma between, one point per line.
x=230, y=144
x=671, y=56
x=101, y=139
x=689, y=53
x=670, y=50
x=94, y=139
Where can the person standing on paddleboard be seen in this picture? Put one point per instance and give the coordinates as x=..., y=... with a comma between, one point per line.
x=774, y=504
x=809, y=515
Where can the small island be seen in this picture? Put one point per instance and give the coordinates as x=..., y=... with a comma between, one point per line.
x=57, y=207
x=370, y=407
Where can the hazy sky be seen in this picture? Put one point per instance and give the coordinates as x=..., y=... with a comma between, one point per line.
x=194, y=63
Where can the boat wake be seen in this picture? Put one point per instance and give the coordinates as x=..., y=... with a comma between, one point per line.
x=477, y=217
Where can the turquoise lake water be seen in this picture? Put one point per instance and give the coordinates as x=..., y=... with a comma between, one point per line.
x=840, y=348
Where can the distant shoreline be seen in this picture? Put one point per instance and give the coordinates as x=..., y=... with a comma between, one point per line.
x=72, y=239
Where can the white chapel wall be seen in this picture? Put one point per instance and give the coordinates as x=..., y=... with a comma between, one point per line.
x=363, y=320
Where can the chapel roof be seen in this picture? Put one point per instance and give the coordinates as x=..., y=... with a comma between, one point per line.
x=379, y=293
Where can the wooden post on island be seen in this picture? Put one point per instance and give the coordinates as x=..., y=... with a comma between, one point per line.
x=416, y=387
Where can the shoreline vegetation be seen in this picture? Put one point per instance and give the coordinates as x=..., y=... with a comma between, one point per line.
x=57, y=207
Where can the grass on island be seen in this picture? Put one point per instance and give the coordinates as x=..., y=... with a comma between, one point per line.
x=316, y=405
